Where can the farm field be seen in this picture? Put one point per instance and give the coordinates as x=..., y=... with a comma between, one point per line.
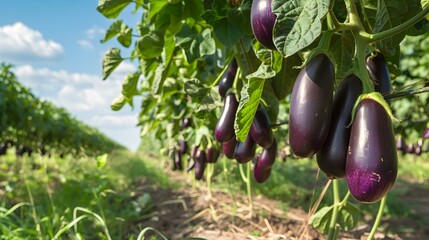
x=134, y=191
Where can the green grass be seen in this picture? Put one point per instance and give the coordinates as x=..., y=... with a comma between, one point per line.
x=42, y=197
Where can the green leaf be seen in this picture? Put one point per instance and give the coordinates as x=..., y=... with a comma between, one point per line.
x=348, y=216
x=343, y=56
x=113, y=30
x=101, y=160
x=283, y=82
x=111, y=61
x=163, y=67
x=124, y=37
x=155, y=7
x=207, y=45
x=298, y=23
x=249, y=102
x=196, y=89
x=322, y=218
x=112, y=8
x=129, y=84
x=151, y=45
x=227, y=32
x=269, y=97
x=118, y=102
x=265, y=71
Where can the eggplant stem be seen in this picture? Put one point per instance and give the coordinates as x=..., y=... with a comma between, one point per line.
x=333, y=224
x=378, y=218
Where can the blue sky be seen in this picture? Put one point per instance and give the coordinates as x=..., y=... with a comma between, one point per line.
x=55, y=48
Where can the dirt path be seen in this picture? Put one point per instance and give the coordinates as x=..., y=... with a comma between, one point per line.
x=188, y=212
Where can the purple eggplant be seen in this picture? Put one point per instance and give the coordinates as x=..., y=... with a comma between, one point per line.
x=410, y=148
x=224, y=129
x=418, y=151
x=264, y=162
x=212, y=155
x=178, y=160
x=228, y=148
x=187, y=122
x=245, y=151
x=183, y=146
x=311, y=106
x=260, y=130
x=190, y=166
x=331, y=158
x=372, y=162
x=200, y=164
x=379, y=73
x=227, y=79
x=426, y=133
x=262, y=20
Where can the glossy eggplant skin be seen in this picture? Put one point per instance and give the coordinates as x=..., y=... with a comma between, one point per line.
x=227, y=80
x=183, y=146
x=331, y=158
x=245, y=151
x=200, y=164
x=311, y=106
x=224, y=129
x=212, y=155
x=260, y=130
x=228, y=148
x=264, y=162
x=372, y=162
x=262, y=20
x=379, y=73
x=178, y=160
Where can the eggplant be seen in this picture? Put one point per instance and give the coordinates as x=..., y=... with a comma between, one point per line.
x=262, y=20
x=183, y=146
x=200, y=164
x=190, y=166
x=187, y=122
x=410, y=148
x=400, y=143
x=264, y=162
x=379, y=73
x=212, y=155
x=372, y=162
x=245, y=151
x=224, y=129
x=418, y=151
x=331, y=158
x=178, y=160
x=311, y=106
x=227, y=79
x=260, y=130
x=426, y=133
x=228, y=148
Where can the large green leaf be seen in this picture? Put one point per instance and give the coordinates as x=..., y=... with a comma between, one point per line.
x=298, y=23
x=151, y=45
x=227, y=32
x=125, y=36
x=164, y=65
x=322, y=218
x=348, y=216
x=111, y=61
x=112, y=8
x=112, y=31
x=129, y=84
x=118, y=102
x=155, y=7
x=343, y=56
x=249, y=102
x=283, y=81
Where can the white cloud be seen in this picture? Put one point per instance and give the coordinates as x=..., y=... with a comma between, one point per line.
x=85, y=44
x=19, y=42
x=94, y=31
x=87, y=97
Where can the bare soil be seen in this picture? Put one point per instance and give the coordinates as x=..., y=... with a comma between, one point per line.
x=189, y=212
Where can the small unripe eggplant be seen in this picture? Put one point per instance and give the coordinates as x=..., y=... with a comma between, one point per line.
x=224, y=129
x=183, y=146
x=245, y=151
x=227, y=80
x=331, y=158
x=379, y=73
x=187, y=122
x=372, y=162
x=426, y=133
x=212, y=155
x=264, y=162
x=178, y=160
x=260, y=131
x=262, y=20
x=311, y=106
x=228, y=148
x=200, y=164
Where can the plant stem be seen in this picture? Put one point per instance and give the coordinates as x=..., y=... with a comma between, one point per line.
x=400, y=28
x=225, y=68
x=225, y=173
x=279, y=123
x=406, y=93
x=378, y=218
x=333, y=224
x=210, y=168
